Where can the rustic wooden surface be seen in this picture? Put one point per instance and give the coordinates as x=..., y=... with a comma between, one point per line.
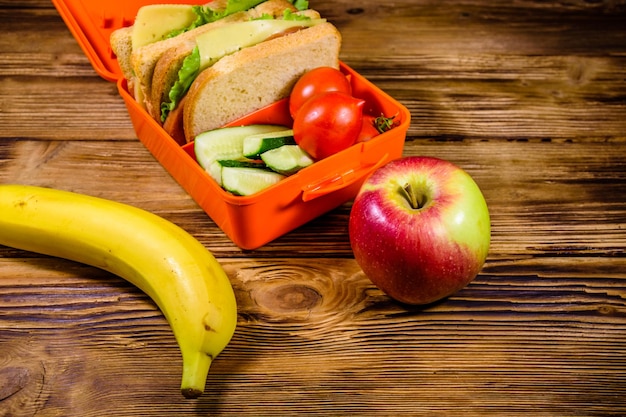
x=529, y=97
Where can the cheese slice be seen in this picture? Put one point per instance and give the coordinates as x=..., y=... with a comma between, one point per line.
x=218, y=43
x=155, y=21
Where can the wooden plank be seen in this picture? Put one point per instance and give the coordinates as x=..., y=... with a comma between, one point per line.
x=529, y=97
x=311, y=329
x=544, y=88
x=543, y=196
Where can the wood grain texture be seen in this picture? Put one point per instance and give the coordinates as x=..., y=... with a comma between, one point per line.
x=529, y=97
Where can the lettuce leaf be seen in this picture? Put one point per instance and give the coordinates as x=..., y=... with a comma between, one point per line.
x=289, y=15
x=235, y=6
x=188, y=72
x=300, y=4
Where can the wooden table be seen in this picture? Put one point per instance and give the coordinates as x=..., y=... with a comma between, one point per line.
x=528, y=97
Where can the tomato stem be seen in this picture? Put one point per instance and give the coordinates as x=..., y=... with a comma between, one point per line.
x=383, y=124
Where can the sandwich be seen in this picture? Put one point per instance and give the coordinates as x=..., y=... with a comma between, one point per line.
x=201, y=76
x=158, y=27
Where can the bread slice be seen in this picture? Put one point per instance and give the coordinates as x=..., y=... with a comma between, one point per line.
x=122, y=47
x=165, y=75
x=165, y=72
x=257, y=76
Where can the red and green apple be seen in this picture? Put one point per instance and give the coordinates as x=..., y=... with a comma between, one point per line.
x=420, y=229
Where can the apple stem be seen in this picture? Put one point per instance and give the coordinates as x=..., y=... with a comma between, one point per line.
x=412, y=197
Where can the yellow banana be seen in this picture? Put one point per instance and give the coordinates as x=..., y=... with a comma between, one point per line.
x=167, y=263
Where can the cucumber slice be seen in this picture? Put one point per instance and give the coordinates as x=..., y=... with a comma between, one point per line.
x=255, y=145
x=247, y=181
x=215, y=169
x=226, y=142
x=241, y=164
x=286, y=160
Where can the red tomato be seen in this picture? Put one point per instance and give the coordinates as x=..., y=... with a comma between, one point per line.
x=328, y=123
x=374, y=126
x=316, y=81
x=368, y=130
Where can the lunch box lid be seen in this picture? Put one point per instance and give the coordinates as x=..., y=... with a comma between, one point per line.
x=92, y=22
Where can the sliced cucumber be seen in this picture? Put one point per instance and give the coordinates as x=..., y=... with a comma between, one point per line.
x=247, y=181
x=236, y=163
x=255, y=145
x=286, y=160
x=215, y=169
x=226, y=143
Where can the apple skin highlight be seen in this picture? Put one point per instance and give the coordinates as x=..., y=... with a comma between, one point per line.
x=420, y=255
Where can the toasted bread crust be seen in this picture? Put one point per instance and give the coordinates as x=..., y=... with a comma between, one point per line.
x=122, y=47
x=257, y=76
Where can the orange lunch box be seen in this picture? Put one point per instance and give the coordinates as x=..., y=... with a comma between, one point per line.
x=249, y=221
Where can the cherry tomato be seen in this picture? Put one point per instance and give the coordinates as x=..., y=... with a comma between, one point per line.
x=368, y=130
x=316, y=81
x=374, y=126
x=328, y=123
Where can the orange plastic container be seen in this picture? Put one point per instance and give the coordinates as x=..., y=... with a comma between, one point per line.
x=249, y=221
